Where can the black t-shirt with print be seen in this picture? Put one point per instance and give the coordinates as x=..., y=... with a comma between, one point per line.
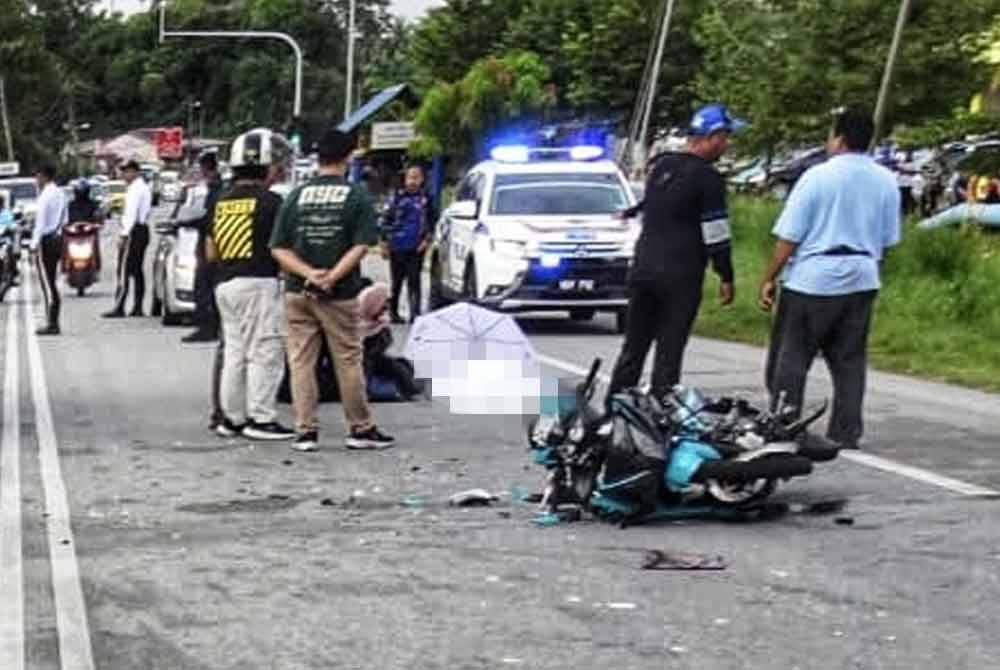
x=685, y=222
x=242, y=224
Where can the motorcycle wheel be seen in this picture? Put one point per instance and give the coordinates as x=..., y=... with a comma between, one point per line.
x=735, y=492
x=80, y=291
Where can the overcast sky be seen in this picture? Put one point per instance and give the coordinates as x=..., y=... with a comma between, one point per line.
x=411, y=9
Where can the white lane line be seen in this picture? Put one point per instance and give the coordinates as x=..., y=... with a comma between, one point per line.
x=860, y=458
x=75, y=651
x=920, y=475
x=11, y=559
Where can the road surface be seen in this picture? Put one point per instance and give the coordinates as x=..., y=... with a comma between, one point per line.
x=132, y=538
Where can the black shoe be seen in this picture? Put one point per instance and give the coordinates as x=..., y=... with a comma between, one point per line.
x=48, y=330
x=228, y=429
x=114, y=314
x=267, y=432
x=136, y=312
x=372, y=438
x=200, y=336
x=306, y=441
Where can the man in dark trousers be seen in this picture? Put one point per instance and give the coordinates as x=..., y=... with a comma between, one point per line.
x=47, y=243
x=838, y=222
x=685, y=225
x=206, y=312
x=406, y=230
x=133, y=242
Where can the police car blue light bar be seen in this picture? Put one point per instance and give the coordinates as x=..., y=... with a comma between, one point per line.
x=510, y=154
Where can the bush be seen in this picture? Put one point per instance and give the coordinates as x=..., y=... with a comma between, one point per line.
x=938, y=313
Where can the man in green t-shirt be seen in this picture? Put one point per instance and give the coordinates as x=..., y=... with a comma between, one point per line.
x=324, y=229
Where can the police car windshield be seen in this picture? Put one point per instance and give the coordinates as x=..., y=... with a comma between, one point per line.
x=558, y=195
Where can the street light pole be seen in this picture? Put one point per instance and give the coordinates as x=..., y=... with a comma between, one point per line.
x=890, y=66
x=349, y=94
x=243, y=34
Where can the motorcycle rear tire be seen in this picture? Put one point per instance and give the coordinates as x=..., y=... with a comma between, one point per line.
x=740, y=482
x=80, y=291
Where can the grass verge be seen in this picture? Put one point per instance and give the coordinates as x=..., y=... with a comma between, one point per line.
x=937, y=317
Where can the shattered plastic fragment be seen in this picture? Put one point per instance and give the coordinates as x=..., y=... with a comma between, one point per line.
x=477, y=497
x=621, y=606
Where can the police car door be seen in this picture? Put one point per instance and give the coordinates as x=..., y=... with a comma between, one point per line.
x=460, y=233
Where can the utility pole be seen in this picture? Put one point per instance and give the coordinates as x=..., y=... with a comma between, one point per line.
x=348, y=101
x=890, y=66
x=6, y=121
x=654, y=79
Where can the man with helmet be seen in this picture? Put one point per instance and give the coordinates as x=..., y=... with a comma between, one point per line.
x=82, y=208
x=685, y=228
x=247, y=291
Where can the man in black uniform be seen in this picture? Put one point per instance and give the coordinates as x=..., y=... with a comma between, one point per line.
x=685, y=225
x=206, y=312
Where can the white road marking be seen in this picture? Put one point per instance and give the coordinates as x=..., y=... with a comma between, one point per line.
x=75, y=650
x=11, y=559
x=860, y=458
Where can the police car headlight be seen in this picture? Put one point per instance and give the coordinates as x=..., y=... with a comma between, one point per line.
x=511, y=248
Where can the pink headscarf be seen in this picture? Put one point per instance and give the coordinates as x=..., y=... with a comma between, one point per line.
x=374, y=317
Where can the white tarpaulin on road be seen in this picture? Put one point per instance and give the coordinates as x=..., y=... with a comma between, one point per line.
x=480, y=360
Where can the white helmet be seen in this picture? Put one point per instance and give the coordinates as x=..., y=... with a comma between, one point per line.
x=259, y=147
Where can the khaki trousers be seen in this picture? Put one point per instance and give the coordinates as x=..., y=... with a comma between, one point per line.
x=339, y=321
x=254, y=348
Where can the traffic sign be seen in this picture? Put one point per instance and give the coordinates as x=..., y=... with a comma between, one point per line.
x=10, y=169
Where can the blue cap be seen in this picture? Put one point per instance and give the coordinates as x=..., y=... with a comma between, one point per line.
x=713, y=118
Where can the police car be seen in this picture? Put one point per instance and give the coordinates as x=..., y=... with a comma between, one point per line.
x=535, y=230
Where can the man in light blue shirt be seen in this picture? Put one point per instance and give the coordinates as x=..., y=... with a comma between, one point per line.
x=832, y=235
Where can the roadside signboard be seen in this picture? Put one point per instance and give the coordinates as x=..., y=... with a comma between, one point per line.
x=392, y=136
x=170, y=142
x=10, y=169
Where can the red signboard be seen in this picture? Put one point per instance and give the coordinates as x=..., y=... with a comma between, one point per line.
x=170, y=142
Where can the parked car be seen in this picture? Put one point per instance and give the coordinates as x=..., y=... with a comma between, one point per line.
x=24, y=200
x=116, y=196
x=175, y=261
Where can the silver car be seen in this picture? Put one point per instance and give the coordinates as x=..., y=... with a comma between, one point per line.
x=175, y=262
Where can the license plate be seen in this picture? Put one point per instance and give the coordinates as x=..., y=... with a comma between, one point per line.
x=577, y=284
x=581, y=235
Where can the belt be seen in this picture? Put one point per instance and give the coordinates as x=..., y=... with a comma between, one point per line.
x=844, y=250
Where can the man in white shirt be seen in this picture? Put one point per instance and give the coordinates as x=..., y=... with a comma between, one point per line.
x=133, y=242
x=46, y=243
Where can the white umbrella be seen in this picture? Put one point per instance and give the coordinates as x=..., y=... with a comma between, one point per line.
x=479, y=359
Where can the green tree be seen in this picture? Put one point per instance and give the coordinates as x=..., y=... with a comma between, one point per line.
x=460, y=118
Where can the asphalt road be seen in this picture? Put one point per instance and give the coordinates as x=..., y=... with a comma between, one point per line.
x=134, y=539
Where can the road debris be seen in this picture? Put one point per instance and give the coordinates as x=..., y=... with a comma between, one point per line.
x=656, y=559
x=844, y=521
x=621, y=606
x=472, y=498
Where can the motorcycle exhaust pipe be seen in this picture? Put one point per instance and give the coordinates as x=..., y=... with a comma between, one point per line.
x=745, y=472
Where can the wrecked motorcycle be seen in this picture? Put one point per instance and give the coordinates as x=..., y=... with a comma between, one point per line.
x=683, y=455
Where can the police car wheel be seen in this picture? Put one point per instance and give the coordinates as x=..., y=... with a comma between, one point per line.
x=436, y=297
x=470, y=291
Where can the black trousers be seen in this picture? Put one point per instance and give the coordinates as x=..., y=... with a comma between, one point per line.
x=131, y=258
x=835, y=326
x=206, y=312
x=666, y=314
x=405, y=266
x=49, y=254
